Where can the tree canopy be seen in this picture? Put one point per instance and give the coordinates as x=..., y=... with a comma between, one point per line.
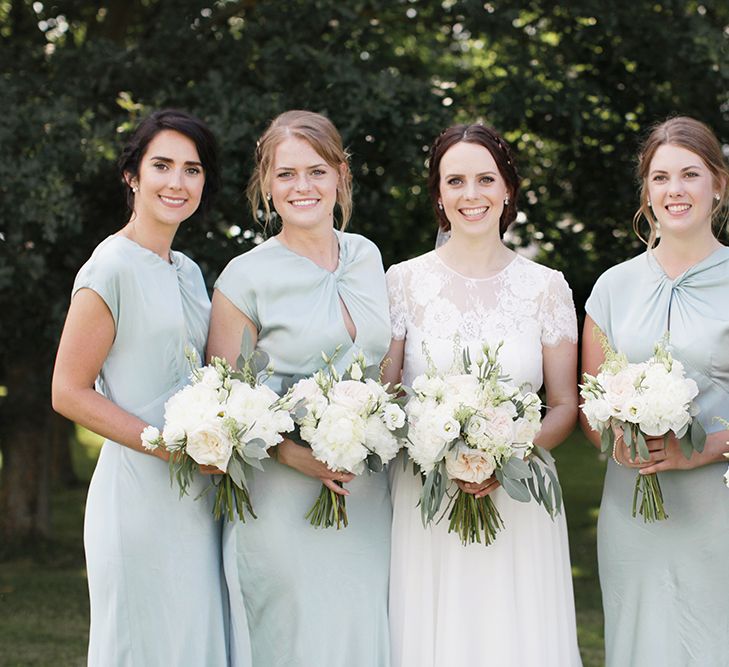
x=571, y=85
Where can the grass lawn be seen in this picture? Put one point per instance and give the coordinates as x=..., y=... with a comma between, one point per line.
x=43, y=595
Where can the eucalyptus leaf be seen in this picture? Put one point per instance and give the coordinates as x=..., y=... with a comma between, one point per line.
x=246, y=345
x=236, y=472
x=374, y=462
x=642, y=446
x=557, y=490
x=544, y=454
x=698, y=435
x=607, y=439
x=256, y=449
x=259, y=361
x=515, y=468
x=686, y=447
x=517, y=489
x=372, y=372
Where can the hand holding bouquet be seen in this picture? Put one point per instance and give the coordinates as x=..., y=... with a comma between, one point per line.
x=351, y=424
x=225, y=418
x=649, y=399
x=470, y=426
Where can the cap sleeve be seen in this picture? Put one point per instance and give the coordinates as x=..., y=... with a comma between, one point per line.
x=238, y=285
x=597, y=305
x=398, y=305
x=102, y=273
x=557, y=315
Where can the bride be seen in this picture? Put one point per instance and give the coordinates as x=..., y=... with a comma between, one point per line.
x=510, y=603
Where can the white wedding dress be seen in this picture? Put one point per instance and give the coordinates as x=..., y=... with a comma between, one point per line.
x=511, y=603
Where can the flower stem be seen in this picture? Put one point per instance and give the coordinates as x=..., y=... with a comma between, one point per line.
x=471, y=516
x=651, y=498
x=330, y=509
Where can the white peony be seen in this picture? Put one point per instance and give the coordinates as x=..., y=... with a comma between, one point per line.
x=379, y=439
x=338, y=440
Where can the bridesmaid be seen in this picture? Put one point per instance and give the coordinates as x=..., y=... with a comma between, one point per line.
x=508, y=604
x=665, y=585
x=153, y=559
x=311, y=596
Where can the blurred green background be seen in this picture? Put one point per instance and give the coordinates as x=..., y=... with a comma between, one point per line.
x=573, y=86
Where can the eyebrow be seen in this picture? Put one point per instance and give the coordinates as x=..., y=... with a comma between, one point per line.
x=663, y=171
x=483, y=173
x=161, y=158
x=313, y=166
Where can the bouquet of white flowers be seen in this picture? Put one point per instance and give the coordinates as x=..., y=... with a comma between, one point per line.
x=470, y=425
x=652, y=398
x=225, y=418
x=351, y=422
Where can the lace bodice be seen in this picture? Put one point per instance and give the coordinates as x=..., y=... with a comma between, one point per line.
x=525, y=305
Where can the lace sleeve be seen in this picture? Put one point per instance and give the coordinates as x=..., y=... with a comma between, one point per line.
x=557, y=314
x=398, y=306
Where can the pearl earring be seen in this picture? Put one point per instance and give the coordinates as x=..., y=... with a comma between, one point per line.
x=506, y=201
x=717, y=196
x=268, y=196
x=440, y=205
x=135, y=189
x=650, y=205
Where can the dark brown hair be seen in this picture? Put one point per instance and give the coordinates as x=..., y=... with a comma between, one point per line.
x=487, y=137
x=184, y=123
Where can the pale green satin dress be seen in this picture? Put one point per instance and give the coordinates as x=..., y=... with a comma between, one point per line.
x=304, y=596
x=665, y=585
x=153, y=559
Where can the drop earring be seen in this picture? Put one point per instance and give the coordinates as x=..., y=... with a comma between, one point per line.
x=717, y=196
x=440, y=205
x=506, y=201
x=268, y=196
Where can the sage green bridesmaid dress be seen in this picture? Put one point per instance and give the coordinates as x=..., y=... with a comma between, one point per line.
x=153, y=559
x=305, y=596
x=665, y=585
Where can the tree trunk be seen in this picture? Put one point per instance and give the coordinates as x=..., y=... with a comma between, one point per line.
x=25, y=475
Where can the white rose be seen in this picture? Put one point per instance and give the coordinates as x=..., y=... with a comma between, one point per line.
x=352, y=395
x=210, y=444
x=210, y=377
x=469, y=465
x=619, y=388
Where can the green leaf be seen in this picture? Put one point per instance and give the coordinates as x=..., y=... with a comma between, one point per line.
x=686, y=447
x=374, y=462
x=515, y=468
x=246, y=345
x=698, y=435
x=557, y=489
x=642, y=446
x=236, y=471
x=517, y=489
x=607, y=440
x=372, y=373
x=259, y=361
